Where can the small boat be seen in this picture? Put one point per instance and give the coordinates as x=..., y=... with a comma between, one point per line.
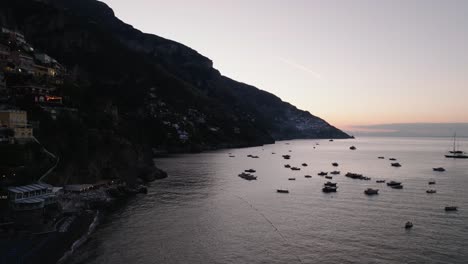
x=356, y=176
x=392, y=159
x=328, y=189
x=431, y=182
x=380, y=181
x=331, y=184
x=282, y=191
x=393, y=183
x=286, y=156
x=291, y=179
x=431, y=191
x=273, y=153
x=335, y=164
x=328, y=177
x=254, y=157
x=304, y=164
x=250, y=170
x=397, y=186
x=396, y=164
x=451, y=208
x=287, y=166
x=408, y=225
x=331, y=140
x=322, y=173
x=307, y=176
x=438, y=169
x=247, y=176
x=249, y=156
x=370, y=191
x=335, y=172
x=352, y=148
x=295, y=168
x=381, y=157
x=232, y=156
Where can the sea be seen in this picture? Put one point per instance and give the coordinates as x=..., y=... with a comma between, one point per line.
x=204, y=213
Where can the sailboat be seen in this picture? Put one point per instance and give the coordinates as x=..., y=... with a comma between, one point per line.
x=456, y=153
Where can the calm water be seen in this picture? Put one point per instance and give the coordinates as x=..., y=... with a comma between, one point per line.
x=204, y=213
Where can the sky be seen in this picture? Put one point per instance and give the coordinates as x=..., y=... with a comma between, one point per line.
x=352, y=63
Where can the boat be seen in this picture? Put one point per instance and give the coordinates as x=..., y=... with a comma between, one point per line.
x=352, y=148
x=391, y=159
x=287, y=166
x=250, y=170
x=431, y=191
x=370, y=191
x=254, y=157
x=322, y=173
x=286, y=156
x=381, y=157
x=291, y=179
x=456, y=153
x=273, y=153
x=393, y=183
x=396, y=164
x=295, y=168
x=249, y=156
x=335, y=164
x=307, y=176
x=451, y=208
x=304, y=164
x=247, y=176
x=438, y=169
x=408, y=225
x=431, y=182
x=282, y=191
x=331, y=140
x=331, y=184
x=328, y=177
x=335, y=172
x=328, y=189
x=232, y=156
x=356, y=176
x=396, y=186
x=380, y=181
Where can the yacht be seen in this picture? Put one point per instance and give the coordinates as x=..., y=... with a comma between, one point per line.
x=456, y=153
x=370, y=191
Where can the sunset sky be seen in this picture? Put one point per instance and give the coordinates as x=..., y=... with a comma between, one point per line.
x=349, y=62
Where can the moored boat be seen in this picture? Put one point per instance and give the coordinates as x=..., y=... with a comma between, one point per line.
x=335, y=164
x=308, y=176
x=431, y=191
x=322, y=173
x=328, y=189
x=396, y=164
x=328, y=177
x=408, y=225
x=352, y=148
x=335, y=172
x=456, y=153
x=291, y=179
x=304, y=164
x=431, y=182
x=438, y=169
x=287, y=166
x=295, y=168
x=380, y=181
x=247, y=176
x=451, y=208
x=282, y=191
x=370, y=191
x=250, y=170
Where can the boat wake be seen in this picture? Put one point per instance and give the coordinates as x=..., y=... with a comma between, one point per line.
x=271, y=223
x=81, y=240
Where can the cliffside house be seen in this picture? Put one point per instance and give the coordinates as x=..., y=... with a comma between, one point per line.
x=18, y=121
x=2, y=82
x=4, y=55
x=13, y=36
x=28, y=203
x=22, y=61
x=32, y=89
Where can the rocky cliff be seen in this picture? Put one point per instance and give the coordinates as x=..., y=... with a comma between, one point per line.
x=145, y=90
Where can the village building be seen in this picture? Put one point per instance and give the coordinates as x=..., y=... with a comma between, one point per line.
x=18, y=121
x=28, y=203
x=13, y=36
x=22, y=61
x=4, y=55
x=32, y=90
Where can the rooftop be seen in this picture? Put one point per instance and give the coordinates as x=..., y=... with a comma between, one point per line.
x=29, y=188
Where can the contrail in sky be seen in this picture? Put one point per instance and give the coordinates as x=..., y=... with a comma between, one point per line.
x=300, y=67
